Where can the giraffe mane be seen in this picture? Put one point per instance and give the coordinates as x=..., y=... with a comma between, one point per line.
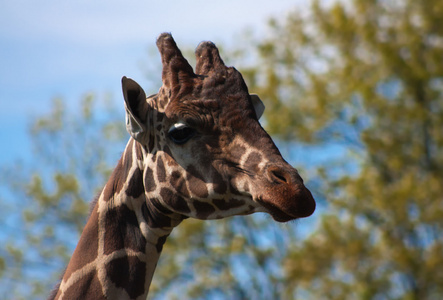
x=196, y=150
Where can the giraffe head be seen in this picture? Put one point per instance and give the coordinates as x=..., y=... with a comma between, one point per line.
x=204, y=154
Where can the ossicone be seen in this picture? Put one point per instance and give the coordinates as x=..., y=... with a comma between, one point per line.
x=208, y=58
x=175, y=67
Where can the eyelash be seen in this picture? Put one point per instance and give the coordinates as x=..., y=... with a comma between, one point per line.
x=180, y=133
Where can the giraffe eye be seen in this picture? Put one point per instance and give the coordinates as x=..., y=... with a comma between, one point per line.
x=180, y=133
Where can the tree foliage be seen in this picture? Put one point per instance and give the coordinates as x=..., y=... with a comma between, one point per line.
x=354, y=96
x=367, y=75
x=45, y=201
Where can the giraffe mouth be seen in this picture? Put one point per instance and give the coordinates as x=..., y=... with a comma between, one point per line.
x=276, y=213
x=289, y=207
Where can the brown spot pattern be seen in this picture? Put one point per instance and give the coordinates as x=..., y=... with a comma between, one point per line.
x=178, y=203
x=135, y=185
x=147, y=216
x=203, y=209
x=159, y=117
x=252, y=161
x=237, y=151
x=179, y=184
x=122, y=231
x=128, y=273
x=150, y=182
x=88, y=287
x=220, y=186
x=121, y=227
x=153, y=217
x=161, y=172
x=196, y=184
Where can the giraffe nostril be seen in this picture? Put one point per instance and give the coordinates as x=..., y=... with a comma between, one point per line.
x=279, y=175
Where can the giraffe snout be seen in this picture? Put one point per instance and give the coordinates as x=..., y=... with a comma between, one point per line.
x=284, y=194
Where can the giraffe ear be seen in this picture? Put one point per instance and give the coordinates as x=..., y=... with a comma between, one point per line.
x=136, y=108
x=259, y=107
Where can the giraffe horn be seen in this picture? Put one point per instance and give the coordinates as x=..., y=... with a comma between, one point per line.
x=175, y=67
x=208, y=58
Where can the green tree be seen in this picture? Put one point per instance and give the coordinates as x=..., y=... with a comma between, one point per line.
x=74, y=149
x=45, y=201
x=354, y=97
x=366, y=76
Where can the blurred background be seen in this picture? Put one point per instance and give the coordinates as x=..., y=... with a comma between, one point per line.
x=354, y=97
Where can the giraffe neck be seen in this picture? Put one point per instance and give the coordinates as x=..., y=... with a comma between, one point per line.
x=121, y=243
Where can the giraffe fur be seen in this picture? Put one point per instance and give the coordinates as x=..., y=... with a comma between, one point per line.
x=197, y=150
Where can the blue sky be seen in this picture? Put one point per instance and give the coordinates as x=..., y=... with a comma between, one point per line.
x=65, y=49
x=53, y=48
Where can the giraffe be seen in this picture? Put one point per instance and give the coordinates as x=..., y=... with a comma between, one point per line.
x=196, y=149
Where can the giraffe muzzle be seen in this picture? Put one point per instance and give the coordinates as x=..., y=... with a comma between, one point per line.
x=284, y=195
